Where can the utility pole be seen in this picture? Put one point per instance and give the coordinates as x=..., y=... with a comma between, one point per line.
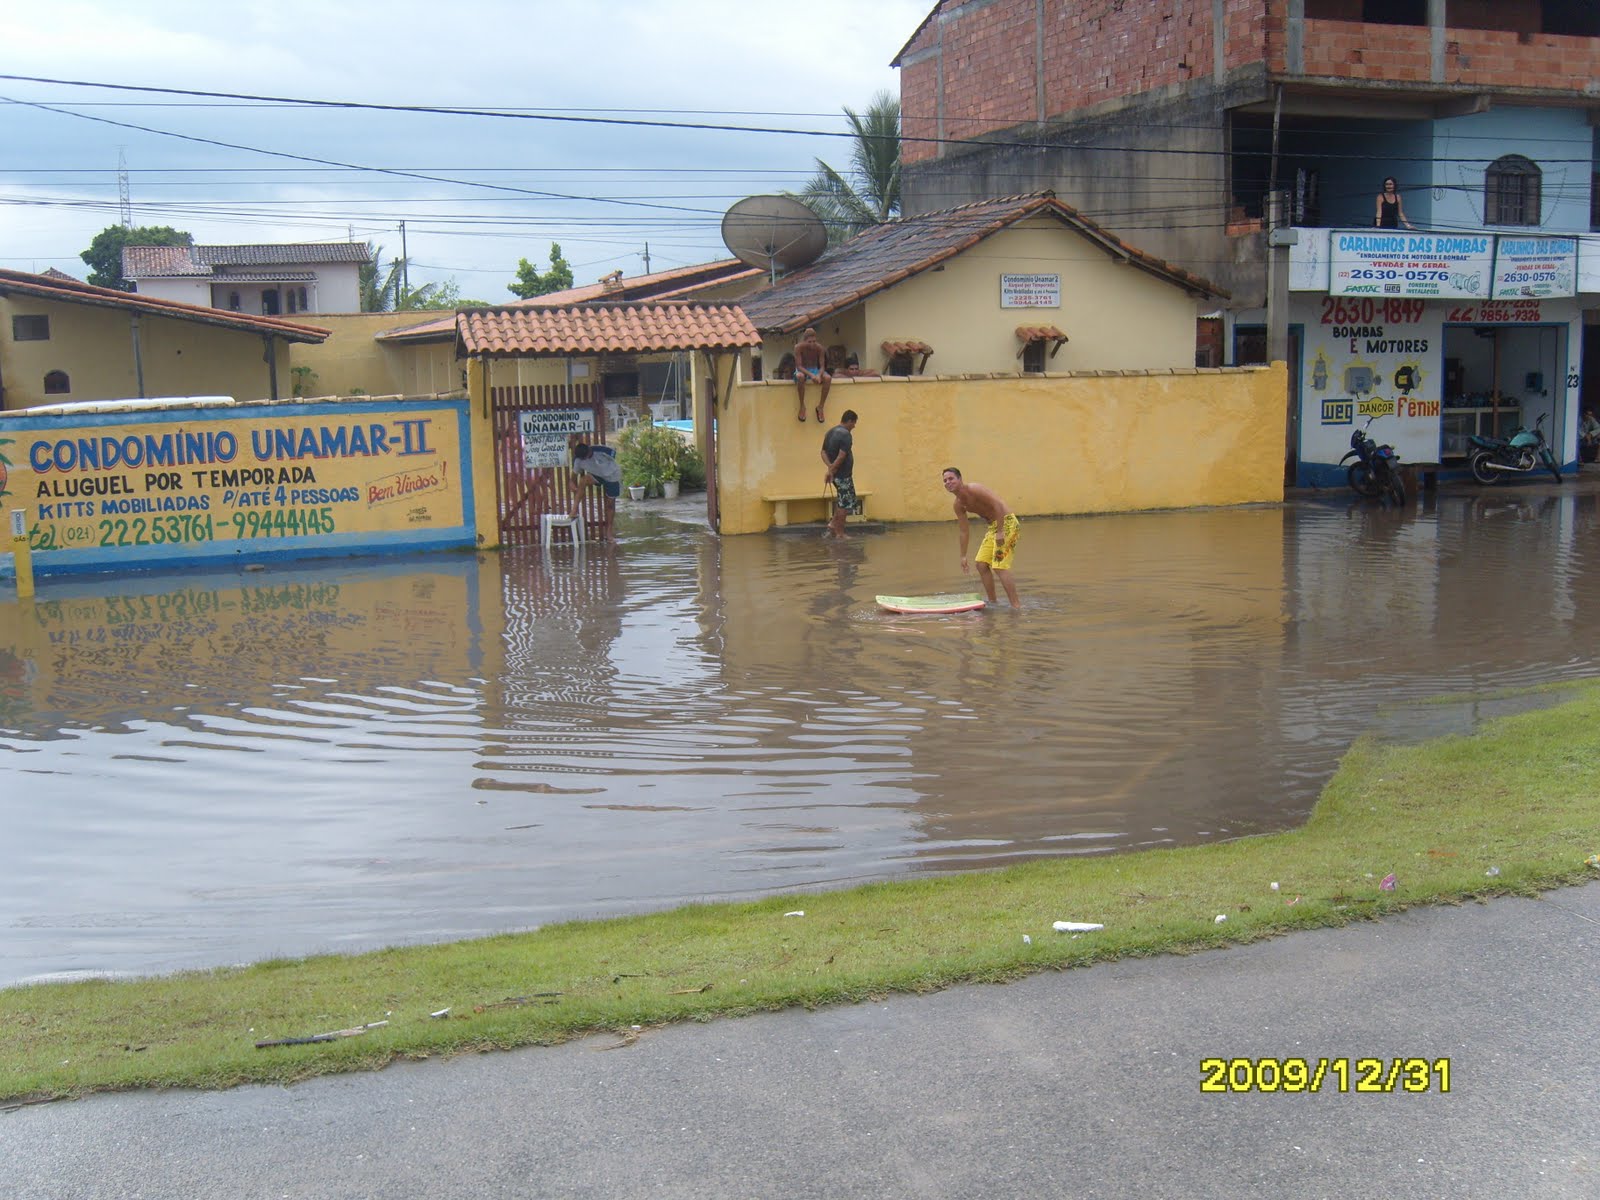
x=124, y=199
x=647, y=258
x=405, y=263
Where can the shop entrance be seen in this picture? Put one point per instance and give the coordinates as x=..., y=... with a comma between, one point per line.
x=1498, y=379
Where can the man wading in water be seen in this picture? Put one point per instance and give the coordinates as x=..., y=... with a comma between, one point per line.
x=999, y=543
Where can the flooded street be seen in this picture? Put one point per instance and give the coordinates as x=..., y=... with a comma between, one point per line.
x=199, y=769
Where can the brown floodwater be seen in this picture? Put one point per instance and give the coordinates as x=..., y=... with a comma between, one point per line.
x=198, y=769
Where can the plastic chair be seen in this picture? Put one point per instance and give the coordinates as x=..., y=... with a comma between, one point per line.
x=548, y=523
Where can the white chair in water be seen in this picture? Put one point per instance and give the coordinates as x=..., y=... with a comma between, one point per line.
x=548, y=522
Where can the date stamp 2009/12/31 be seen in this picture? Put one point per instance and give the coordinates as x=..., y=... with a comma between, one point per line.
x=1377, y=1075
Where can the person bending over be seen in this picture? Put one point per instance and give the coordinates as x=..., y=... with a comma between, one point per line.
x=999, y=543
x=597, y=465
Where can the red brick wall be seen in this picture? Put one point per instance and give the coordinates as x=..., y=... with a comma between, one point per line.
x=1099, y=50
x=1482, y=58
x=1094, y=51
x=989, y=68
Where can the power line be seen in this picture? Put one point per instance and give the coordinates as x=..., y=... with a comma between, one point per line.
x=631, y=122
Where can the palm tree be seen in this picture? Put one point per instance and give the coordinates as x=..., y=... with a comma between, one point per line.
x=871, y=194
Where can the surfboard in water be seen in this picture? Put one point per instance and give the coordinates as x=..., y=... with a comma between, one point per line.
x=950, y=602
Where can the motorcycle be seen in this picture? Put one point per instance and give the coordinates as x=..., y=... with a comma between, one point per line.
x=1524, y=451
x=1376, y=472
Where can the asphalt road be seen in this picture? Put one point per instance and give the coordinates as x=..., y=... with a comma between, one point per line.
x=1085, y=1083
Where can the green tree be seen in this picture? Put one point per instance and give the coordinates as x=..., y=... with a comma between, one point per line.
x=384, y=289
x=870, y=195
x=104, y=254
x=530, y=283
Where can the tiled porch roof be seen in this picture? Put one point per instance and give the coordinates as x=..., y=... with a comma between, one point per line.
x=603, y=329
x=675, y=284
x=1040, y=333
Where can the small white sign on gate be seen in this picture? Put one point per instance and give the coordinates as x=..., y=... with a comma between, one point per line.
x=545, y=432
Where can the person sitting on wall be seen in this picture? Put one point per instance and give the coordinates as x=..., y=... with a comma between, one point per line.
x=810, y=361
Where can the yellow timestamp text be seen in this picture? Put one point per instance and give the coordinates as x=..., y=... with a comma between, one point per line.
x=1413, y=1075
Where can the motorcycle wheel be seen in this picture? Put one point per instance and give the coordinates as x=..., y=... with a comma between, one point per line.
x=1481, y=470
x=1550, y=464
x=1361, y=481
x=1397, y=491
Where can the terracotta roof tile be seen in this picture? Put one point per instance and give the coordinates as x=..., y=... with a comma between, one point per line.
x=143, y=262
x=609, y=328
x=147, y=262
x=71, y=291
x=886, y=254
x=1040, y=333
x=276, y=254
x=907, y=348
x=677, y=283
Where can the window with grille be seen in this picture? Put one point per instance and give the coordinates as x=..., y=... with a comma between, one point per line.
x=56, y=383
x=1511, y=192
x=30, y=329
x=1033, y=357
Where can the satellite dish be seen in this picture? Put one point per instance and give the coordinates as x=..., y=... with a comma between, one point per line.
x=773, y=232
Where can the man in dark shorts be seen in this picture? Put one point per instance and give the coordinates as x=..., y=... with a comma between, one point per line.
x=597, y=465
x=811, y=362
x=839, y=457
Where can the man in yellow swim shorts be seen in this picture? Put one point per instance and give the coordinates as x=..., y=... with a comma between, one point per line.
x=999, y=542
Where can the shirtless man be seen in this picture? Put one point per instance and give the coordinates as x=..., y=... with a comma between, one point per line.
x=999, y=543
x=810, y=362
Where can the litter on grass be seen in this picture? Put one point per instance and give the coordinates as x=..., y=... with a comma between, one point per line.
x=1075, y=927
x=321, y=1037
x=799, y=912
x=1221, y=917
x=1386, y=884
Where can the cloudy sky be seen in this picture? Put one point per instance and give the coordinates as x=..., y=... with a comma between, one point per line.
x=497, y=187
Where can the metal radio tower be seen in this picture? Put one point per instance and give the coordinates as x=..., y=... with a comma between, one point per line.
x=123, y=199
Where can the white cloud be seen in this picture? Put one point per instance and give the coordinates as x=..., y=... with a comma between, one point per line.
x=723, y=55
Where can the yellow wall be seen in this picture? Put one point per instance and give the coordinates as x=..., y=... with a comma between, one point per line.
x=1116, y=316
x=94, y=346
x=351, y=361
x=1078, y=443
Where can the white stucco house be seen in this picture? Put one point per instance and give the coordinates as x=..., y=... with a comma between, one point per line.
x=272, y=280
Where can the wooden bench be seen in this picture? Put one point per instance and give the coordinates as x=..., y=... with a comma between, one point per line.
x=780, y=504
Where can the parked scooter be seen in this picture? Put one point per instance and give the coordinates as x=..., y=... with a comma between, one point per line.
x=1524, y=451
x=1376, y=472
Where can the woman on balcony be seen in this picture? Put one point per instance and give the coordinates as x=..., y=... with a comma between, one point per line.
x=1391, y=212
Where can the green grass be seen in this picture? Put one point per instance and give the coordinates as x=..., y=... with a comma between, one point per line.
x=1522, y=795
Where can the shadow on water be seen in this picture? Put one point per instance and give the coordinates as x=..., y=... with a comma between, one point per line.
x=207, y=768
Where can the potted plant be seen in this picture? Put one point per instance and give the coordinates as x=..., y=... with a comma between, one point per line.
x=649, y=454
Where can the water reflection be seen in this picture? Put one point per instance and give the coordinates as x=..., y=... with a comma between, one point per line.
x=197, y=769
